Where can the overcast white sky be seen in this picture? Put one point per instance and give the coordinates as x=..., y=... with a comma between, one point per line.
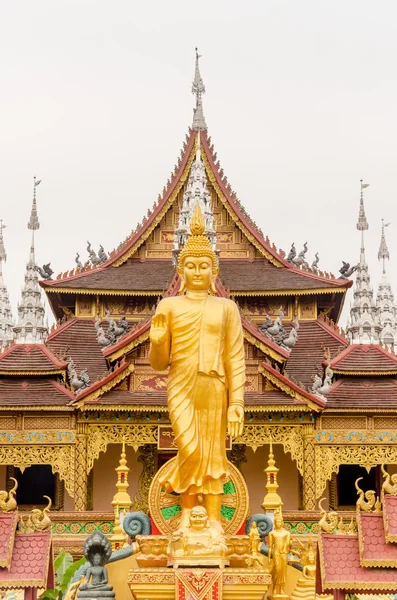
x=96, y=99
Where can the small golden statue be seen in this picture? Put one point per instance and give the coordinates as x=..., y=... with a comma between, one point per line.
x=389, y=485
x=255, y=558
x=279, y=548
x=198, y=543
x=199, y=337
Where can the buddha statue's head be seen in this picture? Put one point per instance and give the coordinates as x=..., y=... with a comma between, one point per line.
x=199, y=518
x=197, y=262
x=278, y=520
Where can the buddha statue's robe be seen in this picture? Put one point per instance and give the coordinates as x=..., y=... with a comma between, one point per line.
x=207, y=373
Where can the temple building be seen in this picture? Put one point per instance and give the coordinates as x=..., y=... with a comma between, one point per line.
x=70, y=400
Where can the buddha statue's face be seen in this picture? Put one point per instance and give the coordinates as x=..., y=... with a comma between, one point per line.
x=96, y=559
x=278, y=523
x=198, y=518
x=197, y=272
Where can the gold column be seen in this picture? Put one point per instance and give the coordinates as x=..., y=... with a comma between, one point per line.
x=81, y=478
x=309, y=468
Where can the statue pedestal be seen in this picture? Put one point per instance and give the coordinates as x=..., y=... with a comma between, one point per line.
x=230, y=584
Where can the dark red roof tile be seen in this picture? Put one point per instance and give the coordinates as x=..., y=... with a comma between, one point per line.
x=261, y=276
x=78, y=337
x=364, y=358
x=33, y=391
x=308, y=353
x=31, y=358
x=363, y=392
x=134, y=275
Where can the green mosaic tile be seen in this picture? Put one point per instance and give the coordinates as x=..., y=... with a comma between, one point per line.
x=227, y=512
x=170, y=511
x=229, y=488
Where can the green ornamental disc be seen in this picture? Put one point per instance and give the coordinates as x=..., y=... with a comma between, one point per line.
x=165, y=509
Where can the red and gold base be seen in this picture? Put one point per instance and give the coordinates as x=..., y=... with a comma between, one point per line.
x=198, y=584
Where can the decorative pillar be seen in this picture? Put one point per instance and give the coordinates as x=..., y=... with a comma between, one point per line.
x=148, y=458
x=81, y=478
x=309, y=468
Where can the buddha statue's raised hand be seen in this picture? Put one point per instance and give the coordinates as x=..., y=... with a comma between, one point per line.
x=159, y=332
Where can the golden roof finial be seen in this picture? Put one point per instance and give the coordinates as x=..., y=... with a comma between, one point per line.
x=272, y=501
x=121, y=502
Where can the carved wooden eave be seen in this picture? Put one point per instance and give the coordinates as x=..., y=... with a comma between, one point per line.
x=292, y=389
x=99, y=388
x=290, y=292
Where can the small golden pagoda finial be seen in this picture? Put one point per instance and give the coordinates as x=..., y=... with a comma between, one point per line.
x=121, y=502
x=272, y=501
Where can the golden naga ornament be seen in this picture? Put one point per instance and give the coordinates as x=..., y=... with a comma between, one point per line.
x=199, y=338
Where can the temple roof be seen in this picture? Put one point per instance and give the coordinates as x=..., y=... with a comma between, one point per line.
x=341, y=568
x=363, y=392
x=8, y=525
x=260, y=275
x=270, y=273
x=33, y=392
x=30, y=358
x=77, y=338
x=374, y=550
x=365, y=359
x=30, y=562
x=308, y=353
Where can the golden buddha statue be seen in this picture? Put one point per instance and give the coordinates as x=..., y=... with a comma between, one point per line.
x=279, y=548
x=199, y=337
x=198, y=543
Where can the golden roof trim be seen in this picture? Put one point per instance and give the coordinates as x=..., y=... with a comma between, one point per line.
x=263, y=347
x=107, y=386
x=276, y=408
x=284, y=387
x=261, y=249
x=129, y=347
x=88, y=292
x=131, y=251
x=311, y=292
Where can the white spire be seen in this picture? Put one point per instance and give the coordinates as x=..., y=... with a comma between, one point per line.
x=6, y=322
x=363, y=325
x=385, y=297
x=196, y=192
x=30, y=328
x=198, y=88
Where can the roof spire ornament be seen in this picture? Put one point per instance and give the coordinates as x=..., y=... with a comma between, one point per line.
x=385, y=297
x=383, y=249
x=364, y=324
x=362, y=223
x=6, y=322
x=30, y=328
x=198, y=88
